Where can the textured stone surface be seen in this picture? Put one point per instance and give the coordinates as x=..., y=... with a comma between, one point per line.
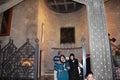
x=99, y=43
x=29, y=16
x=24, y=22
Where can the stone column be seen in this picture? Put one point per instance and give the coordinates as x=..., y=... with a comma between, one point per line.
x=99, y=42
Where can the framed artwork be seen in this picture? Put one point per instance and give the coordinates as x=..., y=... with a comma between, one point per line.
x=67, y=35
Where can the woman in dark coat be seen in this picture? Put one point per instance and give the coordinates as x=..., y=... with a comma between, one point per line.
x=73, y=71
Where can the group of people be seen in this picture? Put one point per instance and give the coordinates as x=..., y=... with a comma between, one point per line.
x=67, y=69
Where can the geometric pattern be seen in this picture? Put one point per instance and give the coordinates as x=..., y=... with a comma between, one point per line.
x=17, y=63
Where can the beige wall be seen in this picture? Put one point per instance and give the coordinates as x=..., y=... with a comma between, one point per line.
x=52, y=23
x=112, y=8
x=24, y=23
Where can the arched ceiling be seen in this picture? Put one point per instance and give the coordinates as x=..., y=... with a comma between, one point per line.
x=63, y=6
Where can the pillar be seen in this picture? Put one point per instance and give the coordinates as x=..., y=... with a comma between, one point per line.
x=99, y=43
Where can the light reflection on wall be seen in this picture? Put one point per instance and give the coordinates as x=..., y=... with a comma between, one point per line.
x=27, y=63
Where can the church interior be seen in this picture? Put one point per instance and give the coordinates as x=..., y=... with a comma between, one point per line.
x=32, y=32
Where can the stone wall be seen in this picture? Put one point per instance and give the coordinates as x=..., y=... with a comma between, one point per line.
x=24, y=23
x=112, y=8
x=51, y=22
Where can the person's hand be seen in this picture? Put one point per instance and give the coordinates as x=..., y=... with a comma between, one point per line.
x=59, y=70
x=65, y=69
x=68, y=68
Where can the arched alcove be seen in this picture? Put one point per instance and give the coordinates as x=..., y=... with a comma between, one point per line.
x=53, y=24
x=98, y=35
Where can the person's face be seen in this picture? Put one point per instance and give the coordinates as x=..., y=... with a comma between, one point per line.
x=62, y=59
x=71, y=57
x=90, y=77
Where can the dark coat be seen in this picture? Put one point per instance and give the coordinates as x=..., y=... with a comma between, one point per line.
x=73, y=72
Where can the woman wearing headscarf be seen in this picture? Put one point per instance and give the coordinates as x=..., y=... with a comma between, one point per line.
x=62, y=69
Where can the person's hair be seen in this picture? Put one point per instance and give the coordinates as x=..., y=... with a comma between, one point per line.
x=72, y=55
x=89, y=73
x=62, y=56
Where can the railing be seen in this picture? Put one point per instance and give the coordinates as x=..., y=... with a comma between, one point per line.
x=21, y=63
x=18, y=63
